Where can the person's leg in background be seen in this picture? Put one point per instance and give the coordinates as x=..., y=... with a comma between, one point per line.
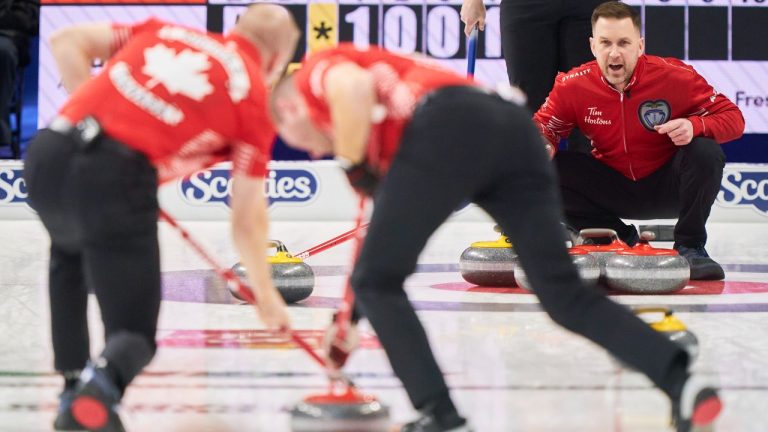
x=594, y=195
x=529, y=43
x=698, y=168
x=574, y=33
x=9, y=63
x=573, y=50
x=540, y=39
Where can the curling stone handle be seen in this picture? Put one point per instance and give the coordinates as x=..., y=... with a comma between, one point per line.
x=598, y=233
x=647, y=236
x=277, y=244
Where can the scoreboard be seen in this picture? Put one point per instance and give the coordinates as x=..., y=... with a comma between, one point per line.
x=725, y=40
x=706, y=29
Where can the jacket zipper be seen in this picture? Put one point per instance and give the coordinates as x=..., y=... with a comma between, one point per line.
x=624, y=136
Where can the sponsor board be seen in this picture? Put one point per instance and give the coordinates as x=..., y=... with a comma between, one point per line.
x=319, y=191
x=13, y=190
x=745, y=187
x=282, y=186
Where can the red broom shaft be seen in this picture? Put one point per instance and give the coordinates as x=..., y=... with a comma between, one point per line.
x=230, y=276
x=331, y=243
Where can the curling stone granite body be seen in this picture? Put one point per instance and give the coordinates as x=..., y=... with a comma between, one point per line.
x=293, y=278
x=644, y=269
x=586, y=264
x=323, y=413
x=489, y=263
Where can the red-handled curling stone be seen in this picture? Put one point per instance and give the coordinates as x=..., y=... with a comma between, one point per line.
x=344, y=410
x=591, y=240
x=293, y=278
x=644, y=269
x=589, y=269
x=489, y=263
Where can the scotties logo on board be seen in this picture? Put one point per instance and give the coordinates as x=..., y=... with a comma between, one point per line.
x=13, y=190
x=744, y=188
x=281, y=186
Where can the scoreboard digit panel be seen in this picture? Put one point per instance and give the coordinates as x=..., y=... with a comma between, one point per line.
x=359, y=22
x=665, y=28
x=750, y=29
x=402, y=26
x=708, y=29
x=445, y=31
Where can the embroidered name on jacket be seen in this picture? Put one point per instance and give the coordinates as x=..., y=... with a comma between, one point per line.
x=594, y=116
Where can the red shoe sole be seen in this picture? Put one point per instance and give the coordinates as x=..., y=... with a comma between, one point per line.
x=707, y=411
x=89, y=412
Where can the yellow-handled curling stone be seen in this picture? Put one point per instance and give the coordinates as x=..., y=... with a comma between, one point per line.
x=293, y=278
x=670, y=326
x=489, y=263
x=663, y=320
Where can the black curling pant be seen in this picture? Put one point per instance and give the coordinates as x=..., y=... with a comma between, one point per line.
x=463, y=144
x=100, y=208
x=597, y=196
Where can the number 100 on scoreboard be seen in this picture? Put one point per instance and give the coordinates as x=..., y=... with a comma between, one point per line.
x=432, y=27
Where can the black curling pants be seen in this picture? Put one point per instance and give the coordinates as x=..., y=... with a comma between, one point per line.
x=100, y=208
x=463, y=144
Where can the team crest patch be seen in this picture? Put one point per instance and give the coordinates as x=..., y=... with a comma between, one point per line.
x=653, y=113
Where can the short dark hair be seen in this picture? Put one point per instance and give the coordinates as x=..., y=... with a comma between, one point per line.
x=617, y=10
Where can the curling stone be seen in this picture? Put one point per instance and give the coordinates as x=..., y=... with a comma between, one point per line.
x=588, y=266
x=671, y=327
x=489, y=263
x=293, y=278
x=348, y=411
x=600, y=251
x=644, y=269
x=589, y=269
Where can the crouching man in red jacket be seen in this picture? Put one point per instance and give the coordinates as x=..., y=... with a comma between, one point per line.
x=656, y=127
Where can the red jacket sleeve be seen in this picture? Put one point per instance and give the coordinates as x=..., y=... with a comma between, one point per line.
x=555, y=118
x=713, y=115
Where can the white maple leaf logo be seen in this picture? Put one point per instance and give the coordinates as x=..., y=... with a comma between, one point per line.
x=179, y=73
